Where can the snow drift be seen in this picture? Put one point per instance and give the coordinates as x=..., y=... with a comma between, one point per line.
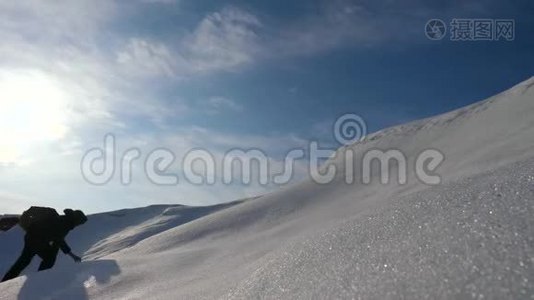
x=470, y=237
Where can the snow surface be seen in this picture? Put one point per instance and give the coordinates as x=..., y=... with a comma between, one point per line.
x=470, y=237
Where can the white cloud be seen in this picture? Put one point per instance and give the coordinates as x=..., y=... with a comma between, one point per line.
x=216, y=105
x=231, y=38
x=75, y=22
x=161, y=1
x=224, y=40
x=142, y=57
x=340, y=23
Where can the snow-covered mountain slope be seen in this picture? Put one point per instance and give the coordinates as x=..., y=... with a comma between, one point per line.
x=470, y=237
x=106, y=233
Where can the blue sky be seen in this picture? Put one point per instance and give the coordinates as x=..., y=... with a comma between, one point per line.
x=220, y=75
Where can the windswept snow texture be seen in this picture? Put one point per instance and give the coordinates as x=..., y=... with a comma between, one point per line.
x=471, y=237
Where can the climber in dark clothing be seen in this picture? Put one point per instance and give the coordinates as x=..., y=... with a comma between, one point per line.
x=45, y=239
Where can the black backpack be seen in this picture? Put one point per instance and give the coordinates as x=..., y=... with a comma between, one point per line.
x=37, y=214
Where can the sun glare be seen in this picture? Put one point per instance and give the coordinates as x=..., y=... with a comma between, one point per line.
x=32, y=111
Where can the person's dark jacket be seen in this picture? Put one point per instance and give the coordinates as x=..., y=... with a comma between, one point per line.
x=50, y=233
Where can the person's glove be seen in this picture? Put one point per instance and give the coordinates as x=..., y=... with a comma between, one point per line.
x=75, y=257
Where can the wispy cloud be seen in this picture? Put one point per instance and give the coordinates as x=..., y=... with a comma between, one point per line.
x=222, y=41
x=217, y=105
x=145, y=58
x=232, y=38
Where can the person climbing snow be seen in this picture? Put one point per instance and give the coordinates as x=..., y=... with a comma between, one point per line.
x=45, y=235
